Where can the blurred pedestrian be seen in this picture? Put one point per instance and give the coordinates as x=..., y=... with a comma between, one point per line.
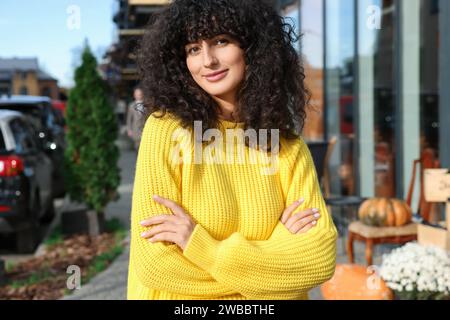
x=135, y=117
x=121, y=110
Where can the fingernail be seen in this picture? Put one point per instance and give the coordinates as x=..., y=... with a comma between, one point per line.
x=315, y=210
x=301, y=200
x=142, y=223
x=155, y=196
x=143, y=234
x=151, y=239
x=314, y=222
x=317, y=215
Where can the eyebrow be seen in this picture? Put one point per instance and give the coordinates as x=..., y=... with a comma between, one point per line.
x=210, y=39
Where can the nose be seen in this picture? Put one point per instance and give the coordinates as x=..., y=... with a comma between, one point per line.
x=209, y=58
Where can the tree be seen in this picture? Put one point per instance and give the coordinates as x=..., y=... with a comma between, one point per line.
x=91, y=157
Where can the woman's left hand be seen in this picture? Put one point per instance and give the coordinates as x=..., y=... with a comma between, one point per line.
x=176, y=228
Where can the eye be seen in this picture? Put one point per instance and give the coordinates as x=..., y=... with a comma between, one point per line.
x=193, y=50
x=222, y=40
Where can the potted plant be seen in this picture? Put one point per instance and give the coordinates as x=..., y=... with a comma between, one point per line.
x=416, y=272
x=91, y=157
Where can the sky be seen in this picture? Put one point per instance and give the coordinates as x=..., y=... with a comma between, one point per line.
x=54, y=31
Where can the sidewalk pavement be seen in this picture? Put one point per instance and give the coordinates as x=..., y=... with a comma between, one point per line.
x=111, y=284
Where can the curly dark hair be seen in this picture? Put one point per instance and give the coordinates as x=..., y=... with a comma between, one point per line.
x=273, y=94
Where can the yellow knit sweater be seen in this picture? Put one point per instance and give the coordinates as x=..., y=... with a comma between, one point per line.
x=239, y=248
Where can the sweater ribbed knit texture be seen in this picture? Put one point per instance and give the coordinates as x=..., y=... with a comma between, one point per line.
x=239, y=248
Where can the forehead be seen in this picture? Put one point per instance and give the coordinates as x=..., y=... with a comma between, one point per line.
x=209, y=38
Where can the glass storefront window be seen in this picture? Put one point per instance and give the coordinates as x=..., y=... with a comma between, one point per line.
x=376, y=50
x=307, y=18
x=377, y=60
x=429, y=69
x=312, y=49
x=384, y=108
x=339, y=61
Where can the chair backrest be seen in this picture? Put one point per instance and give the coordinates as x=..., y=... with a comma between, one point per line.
x=428, y=160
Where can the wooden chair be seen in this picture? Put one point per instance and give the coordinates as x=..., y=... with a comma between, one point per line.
x=395, y=235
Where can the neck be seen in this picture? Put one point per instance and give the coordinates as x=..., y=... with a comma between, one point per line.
x=228, y=107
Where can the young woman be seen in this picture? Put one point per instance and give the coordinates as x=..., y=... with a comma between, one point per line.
x=221, y=82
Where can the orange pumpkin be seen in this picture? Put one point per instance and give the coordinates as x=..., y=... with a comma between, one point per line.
x=385, y=212
x=353, y=282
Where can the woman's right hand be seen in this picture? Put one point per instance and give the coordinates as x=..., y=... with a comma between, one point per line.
x=302, y=221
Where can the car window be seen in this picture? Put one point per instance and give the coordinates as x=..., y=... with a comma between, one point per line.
x=33, y=133
x=22, y=136
x=34, y=112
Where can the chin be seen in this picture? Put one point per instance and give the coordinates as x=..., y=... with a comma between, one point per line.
x=216, y=93
x=218, y=89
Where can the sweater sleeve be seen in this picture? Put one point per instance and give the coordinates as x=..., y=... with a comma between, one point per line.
x=285, y=266
x=162, y=266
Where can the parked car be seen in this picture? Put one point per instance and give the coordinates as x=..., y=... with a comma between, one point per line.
x=60, y=105
x=50, y=126
x=26, y=197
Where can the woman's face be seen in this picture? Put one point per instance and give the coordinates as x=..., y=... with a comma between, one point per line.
x=217, y=65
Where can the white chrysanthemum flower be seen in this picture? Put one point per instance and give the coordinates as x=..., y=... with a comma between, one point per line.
x=426, y=269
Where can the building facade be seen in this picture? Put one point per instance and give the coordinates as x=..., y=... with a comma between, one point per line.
x=119, y=65
x=22, y=76
x=379, y=71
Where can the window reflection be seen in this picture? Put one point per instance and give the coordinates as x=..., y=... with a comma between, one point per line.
x=312, y=48
x=384, y=101
x=340, y=44
x=429, y=66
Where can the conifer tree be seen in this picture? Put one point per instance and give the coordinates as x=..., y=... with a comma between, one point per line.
x=91, y=157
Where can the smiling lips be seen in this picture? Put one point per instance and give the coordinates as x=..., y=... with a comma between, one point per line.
x=216, y=76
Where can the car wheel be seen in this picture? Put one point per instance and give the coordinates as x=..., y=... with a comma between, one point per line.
x=27, y=238
x=49, y=215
